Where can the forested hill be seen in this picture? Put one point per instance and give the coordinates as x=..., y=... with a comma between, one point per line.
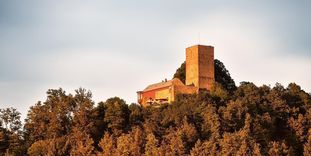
x=230, y=120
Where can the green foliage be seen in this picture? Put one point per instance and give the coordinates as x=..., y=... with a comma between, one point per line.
x=136, y=115
x=218, y=92
x=11, y=142
x=307, y=145
x=10, y=119
x=55, y=122
x=55, y=146
x=250, y=120
x=50, y=119
x=130, y=144
x=38, y=148
x=152, y=144
x=222, y=75
x=279, y=148
x=181, y=73
x=107, y=145
x=116, y=115
x=80, y=143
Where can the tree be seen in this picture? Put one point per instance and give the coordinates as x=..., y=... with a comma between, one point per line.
x=245, y=136
x=299, y=129
x=233, y=115
x=198, y=149
x=189, y=134
x=279, y=148
x=82, y=114
x=295, y=96
x=98, y=115
x=205, y=148
x=307, y=145
x=218, y=92
x=222, y=75
x=250, y=121
x=131, y=143
x=50, y=119
x=152, y=144
x=211, y=125
x=138, y=141
x=81, y=143
x=11, y=142
x=136, y=115
x=240, y=142
x=38, y=148
x=175, y=145
x=256, y=150
x=230, y=144
x=10, y=118
x=181, y=73
x=263, y=128
x=107, y=145
x=61, y=116
x=56, y=146
x=4, y=141
x=116, y=115
x=124, y=144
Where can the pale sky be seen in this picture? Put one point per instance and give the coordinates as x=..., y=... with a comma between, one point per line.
x=115, y=48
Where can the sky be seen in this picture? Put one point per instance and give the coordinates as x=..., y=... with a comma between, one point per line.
x=115, y=48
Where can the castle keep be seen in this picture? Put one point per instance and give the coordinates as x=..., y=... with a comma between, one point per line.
x=199, y=75
x=200, y=66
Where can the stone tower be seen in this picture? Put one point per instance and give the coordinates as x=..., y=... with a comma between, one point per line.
x=200, y=66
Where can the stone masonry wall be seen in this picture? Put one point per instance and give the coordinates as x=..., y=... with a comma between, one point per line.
x=200, y=66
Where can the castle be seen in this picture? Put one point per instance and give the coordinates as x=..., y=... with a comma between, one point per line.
x=199, y=75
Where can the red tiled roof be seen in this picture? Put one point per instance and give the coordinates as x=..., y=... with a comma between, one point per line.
x=175, y=82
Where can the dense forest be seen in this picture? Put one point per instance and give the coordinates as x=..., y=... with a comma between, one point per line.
x=229, y=120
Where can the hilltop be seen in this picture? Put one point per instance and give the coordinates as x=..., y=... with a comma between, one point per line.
x=228, y=120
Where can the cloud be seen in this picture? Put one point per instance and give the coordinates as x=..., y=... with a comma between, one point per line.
x=116, y=48
x=249, y=48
